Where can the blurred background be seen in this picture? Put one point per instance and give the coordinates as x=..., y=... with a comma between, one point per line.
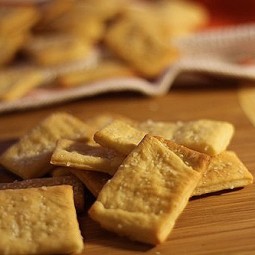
x=63, y=44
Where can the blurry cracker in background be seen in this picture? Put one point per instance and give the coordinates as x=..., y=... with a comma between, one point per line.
x=17, y=82
x=17, y=19
x=52, y=9
x=101, y=120
x=9, y=46
x=49, y=49
x=141, y=44
x=104, y=70
x=30, y=156
x=225, y=171
x=79, y=155
x=160, y=128
x=76, y=22
x=246, y=98
x=180, y=18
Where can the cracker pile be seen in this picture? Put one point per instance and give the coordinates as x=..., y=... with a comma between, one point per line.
x=133, y=38
x=142, y=175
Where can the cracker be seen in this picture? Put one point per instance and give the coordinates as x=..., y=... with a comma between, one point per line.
x=102, y=120
x=17, y=19
x=119, y=136
x=9, y=45
x=102, y=71
x=78, y=190
x=80, y=23
x=30, y=157
x=180, y=18
x=148, y=192
x=145, y=50
x=208, y=136
x=39, y=220
x=94, y=181
x=17, y=82
x=74, y=154
x=50, y=10
x=57, y=49
x=160, y=128
x=225, y=171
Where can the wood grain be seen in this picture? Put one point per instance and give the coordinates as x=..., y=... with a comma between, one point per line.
x=221, y=223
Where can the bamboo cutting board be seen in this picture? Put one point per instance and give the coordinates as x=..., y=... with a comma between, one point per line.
x=221, y=223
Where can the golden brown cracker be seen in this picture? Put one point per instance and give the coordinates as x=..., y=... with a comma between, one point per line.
x=119, y=136
x=75, y=154
x=17, y=82
x=17, y=19
x=147, y=193
x=39, y=220
x=102, y=71
x=30, y=156
x=225, y=171
x=78, y=190
x=208, y=136
x=56, y=49
x=141, y=45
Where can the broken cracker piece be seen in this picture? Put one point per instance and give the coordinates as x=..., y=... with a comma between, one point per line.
x=225, y=171
x=39, y=220
x=148, y=192
x=30, y=157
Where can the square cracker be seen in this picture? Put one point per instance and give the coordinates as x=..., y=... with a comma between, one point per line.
x=78, y=189
x=39, y=220
x=149, y=191
x=119, y=136
x=104, y=70
x=208, y=136
x=16, y=82
x=139, y=42
x=15, y=19
x=57, y=49
x=225, y=171
x=70, y=153
x=30, y=156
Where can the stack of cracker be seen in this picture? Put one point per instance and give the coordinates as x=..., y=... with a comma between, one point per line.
x=142, y=175
x=49, y=43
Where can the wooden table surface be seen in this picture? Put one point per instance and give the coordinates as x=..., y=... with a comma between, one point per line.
x=216, y=224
